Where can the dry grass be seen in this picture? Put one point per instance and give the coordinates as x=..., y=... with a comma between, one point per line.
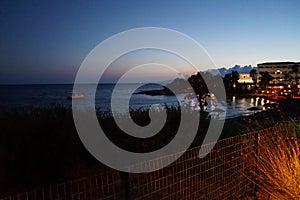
x=276, y=164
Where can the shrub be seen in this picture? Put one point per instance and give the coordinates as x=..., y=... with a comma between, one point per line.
x=276, y=165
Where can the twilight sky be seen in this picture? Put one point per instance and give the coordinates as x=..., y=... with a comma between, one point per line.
x=46, y=41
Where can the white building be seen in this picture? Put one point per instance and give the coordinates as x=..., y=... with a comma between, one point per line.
x=245, y=78
x=286, y=77
x=280, y=71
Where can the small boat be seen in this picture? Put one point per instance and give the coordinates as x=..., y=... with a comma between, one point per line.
x=277, y=97
x=75, y=95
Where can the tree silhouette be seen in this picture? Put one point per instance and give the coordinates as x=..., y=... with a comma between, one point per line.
x=231, y=80
x=198, y=83
x=295, y=69
x=253, y=74
x=265, y=78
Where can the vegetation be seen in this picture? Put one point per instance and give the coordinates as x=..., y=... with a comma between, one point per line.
x=265, y=78
x=200, y=81
x=231, y=81
x=40, y=146
x=253, y=72
x=276, y=165
x=295, y=70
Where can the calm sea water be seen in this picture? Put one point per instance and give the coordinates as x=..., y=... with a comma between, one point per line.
x=46, y=95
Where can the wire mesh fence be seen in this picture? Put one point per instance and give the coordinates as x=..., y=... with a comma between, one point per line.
x=222, y=174
x=106, y=185
x=216, y=176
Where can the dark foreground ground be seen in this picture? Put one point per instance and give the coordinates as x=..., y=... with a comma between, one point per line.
x=40, y=146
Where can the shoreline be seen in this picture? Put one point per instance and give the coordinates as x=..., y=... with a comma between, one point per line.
x=167, y=92
x=286, y=110
x=163, y=92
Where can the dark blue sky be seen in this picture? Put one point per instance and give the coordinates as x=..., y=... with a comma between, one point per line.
x=46, y=41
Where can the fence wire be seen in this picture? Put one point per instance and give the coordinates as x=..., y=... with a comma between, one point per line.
x=106, y=185
x=216, y=176
x=222, y=174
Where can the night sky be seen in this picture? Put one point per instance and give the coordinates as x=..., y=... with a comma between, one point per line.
x=46, y=41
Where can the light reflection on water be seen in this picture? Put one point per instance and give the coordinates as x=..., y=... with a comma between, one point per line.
x=238, y=106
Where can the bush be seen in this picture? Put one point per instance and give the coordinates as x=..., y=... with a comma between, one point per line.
x=276, y=165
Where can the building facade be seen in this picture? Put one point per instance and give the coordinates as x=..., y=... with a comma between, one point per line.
x=285, y=77
x=246, y=82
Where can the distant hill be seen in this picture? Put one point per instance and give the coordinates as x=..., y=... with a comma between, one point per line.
x=223, y=71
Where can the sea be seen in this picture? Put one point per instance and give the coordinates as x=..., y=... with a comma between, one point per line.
x=45, y=95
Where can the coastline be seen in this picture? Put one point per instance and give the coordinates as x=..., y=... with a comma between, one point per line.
x=161, y=92
x=285, y=111
x=168, y=92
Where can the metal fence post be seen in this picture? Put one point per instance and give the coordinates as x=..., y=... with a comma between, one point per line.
x=125, y=177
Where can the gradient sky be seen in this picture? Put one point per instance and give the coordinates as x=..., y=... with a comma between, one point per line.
x=46, y=41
